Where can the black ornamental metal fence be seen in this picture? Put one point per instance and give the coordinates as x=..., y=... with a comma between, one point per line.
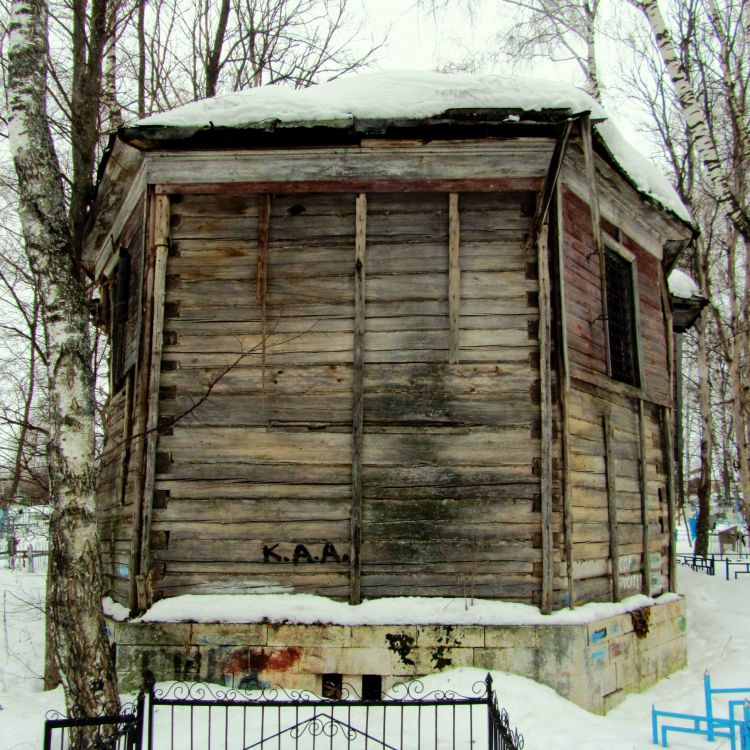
x=196, y=716
x=123, y=731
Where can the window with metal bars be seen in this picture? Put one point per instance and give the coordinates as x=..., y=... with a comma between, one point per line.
x=621, y=312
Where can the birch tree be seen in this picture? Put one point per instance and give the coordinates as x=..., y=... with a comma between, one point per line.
x=695, y=90
x=720, y=179
x=82, y=78
x=560, y=30
x=74, y=594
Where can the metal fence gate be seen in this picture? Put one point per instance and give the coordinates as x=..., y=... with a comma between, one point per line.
x=123, y=731
x=196, y=716
x=193, y=716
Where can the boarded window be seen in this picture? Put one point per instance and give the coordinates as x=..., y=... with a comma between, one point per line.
x=622, y=319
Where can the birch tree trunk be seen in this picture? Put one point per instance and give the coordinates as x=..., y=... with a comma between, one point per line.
x=74, y=605
x=721, y=186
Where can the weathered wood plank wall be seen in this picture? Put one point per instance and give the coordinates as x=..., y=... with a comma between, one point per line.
x=451, y=496
x=450, y=452
x=264, y=464
x=115, y=488
x=593, y=395
x=253, y=467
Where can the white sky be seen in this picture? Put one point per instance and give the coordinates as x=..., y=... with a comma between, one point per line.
x=421, y=40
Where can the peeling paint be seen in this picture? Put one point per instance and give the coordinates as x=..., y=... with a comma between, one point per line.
x=599, y=635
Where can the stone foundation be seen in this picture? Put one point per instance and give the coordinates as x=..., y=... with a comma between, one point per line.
x=594, y=664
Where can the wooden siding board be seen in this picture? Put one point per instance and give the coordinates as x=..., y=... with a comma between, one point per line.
x=434, y=161
x=433, y=431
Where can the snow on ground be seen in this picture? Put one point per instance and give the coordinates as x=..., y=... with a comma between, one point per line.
x=718, y=638
x=22, y=701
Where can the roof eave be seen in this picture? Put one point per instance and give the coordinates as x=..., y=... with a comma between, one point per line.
x=147, y=137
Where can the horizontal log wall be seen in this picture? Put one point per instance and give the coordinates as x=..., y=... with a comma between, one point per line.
x=450, y=457
x=253, y=484
x=451, y=501
x=605, y=524
x=376, y=166
x=591, y=527
x=264, y=464
x=116, y=482
x=584, y=308
x=114, y=509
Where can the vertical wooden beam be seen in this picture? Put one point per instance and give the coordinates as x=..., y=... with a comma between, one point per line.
x=643, y=474
x=140, y=399
x=667, y=427
x=563, y=388
x=588, y=153
x=358, y=385
x=161, y=251
x=261, y=270
x=127, y=432
x=671, y=525
x=679, y=430
x=539, y=237
x=545, y=376
x=454, y=278
x=261, y=278
x=614, y=541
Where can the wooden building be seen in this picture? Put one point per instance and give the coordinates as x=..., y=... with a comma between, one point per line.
x=405, y=347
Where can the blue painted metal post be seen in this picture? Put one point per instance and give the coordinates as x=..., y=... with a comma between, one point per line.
x=709, y=706
x=654, y=726
x=745, y=728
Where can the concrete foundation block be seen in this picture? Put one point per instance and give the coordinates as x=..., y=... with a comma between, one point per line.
x=562, y=648
x=511, y=636
x=362, y=661
x=453, y=636
x=318, y=660
x=603, y=631
x=592, y=664
x=152, y=634
x=291, y=681
x=309, y=635
x=219, y=634
x=620, y=648
x=380, y=636
x=420, y=661
x=613, y=699
x=627, y=675
x=521, y=661
x=352, y=684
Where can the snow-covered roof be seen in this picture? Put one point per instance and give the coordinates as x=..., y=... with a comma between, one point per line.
x=682, y=285
x=411, y=95
x=687, y=300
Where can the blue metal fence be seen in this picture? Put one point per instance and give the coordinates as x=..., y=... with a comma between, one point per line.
x=736, y=725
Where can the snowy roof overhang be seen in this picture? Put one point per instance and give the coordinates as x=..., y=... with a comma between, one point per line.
x=397, y=102
x=687, y=300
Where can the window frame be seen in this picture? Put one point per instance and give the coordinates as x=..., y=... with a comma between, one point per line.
x=614, y=245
